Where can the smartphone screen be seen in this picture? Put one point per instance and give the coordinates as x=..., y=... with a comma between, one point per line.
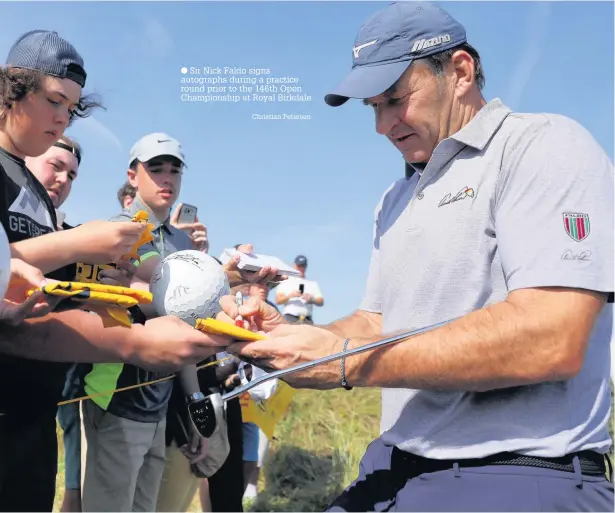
x=301, y=288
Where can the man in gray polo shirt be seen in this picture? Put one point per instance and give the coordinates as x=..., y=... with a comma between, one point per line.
x=503, y=226
x=125, y=431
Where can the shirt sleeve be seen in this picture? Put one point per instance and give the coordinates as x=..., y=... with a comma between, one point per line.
x=553, y=212
x=283, y=287
x=372, y=297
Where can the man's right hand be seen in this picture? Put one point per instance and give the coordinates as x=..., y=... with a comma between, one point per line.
x=256, y=313
x=168, y=343
x=104, y=241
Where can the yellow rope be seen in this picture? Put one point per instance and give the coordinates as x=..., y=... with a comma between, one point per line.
x=139, y=385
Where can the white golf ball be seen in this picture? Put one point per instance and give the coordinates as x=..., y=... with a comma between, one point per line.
x=5, y=262
x=189, y=284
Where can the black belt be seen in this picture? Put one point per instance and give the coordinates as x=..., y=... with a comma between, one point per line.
x=591, y=463
x=305, y=317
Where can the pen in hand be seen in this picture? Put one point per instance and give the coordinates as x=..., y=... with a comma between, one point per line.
x=239, y=303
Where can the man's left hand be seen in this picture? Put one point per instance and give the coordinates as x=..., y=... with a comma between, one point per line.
x=290, y=345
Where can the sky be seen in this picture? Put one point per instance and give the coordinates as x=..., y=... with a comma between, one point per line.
x=296, y=187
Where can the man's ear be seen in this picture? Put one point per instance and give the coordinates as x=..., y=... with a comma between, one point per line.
x=132, y=177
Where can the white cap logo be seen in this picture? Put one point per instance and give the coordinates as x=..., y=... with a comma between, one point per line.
x=357, y=49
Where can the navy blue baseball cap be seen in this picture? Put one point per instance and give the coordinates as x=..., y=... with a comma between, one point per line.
x=389, y=41
x=47, y=52
x=301, y=261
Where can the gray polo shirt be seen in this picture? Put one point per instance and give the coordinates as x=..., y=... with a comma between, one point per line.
x=149, y=403
x=510, y=201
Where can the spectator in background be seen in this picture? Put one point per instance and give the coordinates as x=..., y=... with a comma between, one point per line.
x=126, y=194
x=57, y=169
x=38, y=97
x=138, y=416
x=255, y=442
x=299, y=295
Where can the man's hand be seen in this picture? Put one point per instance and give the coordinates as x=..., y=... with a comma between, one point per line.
x=37, y=305
x=196, y=448
x=120, y=277
x=256, y=313
x=104, y=241
x=237, y=277
x=23, y=278
x=290, y=345
x=17, y=306
x=168, y=343
x=234, y=380
x=308, y=298
x=196, y=231
x=199, y=237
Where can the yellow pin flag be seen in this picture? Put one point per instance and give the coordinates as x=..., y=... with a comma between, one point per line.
x=217, y=327
x=109, y=301
x=266, y=414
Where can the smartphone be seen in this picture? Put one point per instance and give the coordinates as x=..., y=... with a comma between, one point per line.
x=187, y=214
x=302, y=288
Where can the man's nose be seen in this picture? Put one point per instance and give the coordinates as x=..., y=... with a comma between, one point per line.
x=62, y=178
x=61, y=117
x=386, y=120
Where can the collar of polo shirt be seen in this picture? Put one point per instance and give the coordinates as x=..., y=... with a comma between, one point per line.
x=476, y=133
x=482, y=127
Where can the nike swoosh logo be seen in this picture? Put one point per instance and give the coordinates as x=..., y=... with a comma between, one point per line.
x=358, y=49
x=165, y=140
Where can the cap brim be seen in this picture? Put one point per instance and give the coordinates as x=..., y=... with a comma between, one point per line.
x=146, y=157
x=366, y=81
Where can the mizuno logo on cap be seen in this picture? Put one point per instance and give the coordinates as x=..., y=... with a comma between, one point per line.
x=357, y=49
x=423, y=44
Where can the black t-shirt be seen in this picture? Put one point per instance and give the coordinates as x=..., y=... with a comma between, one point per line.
x=28, y=388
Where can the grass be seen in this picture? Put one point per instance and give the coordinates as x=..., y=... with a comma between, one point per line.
x=316, y=452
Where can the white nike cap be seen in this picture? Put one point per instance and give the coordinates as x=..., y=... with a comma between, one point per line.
x=156, y=145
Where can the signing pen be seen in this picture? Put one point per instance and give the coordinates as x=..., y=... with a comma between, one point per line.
x=239, y=303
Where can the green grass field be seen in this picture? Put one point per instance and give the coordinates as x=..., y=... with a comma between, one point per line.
x=316, y=452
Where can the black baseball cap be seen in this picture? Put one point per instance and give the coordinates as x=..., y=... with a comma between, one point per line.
x=301, y=261
x=47, y=52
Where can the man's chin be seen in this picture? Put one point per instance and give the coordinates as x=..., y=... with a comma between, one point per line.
x=55, y=201
x=416, y=157
x=167, y=203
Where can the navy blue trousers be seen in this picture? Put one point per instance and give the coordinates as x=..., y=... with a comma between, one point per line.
x=488, y=488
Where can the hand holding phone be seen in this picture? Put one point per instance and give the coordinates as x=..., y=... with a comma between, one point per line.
x=254, y=262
